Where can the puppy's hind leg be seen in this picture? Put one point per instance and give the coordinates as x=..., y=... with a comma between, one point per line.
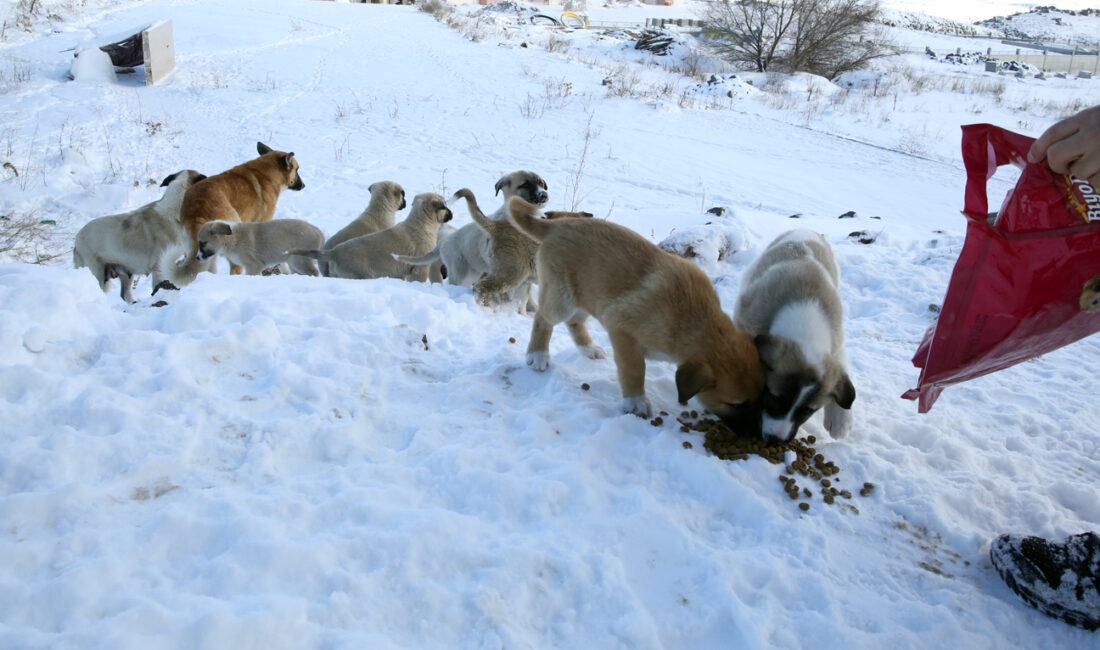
x=124, y=276
x=578, y=329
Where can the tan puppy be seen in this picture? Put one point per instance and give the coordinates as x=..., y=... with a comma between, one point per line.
x=144, y=241
x=651, y=302
x=257, y=246
x=372, y=256
x=466, y=253
x=511, y=257
x=386, y=198
x=247, y=192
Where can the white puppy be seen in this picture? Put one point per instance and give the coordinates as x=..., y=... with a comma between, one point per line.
x=790, y=303
x=144, y=241
x=258, y=245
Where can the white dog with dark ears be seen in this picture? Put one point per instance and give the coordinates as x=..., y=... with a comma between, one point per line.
x=790, y=303
x=145, y=241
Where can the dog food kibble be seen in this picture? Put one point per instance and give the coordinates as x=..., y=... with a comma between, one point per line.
x=798, y=458
x=688, y=445
x=511, y=339
x=585, y=387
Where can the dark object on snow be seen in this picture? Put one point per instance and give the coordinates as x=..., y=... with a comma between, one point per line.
x=543, y=19
x=655, y=40
x=863, y=237
x=166, y=285
x=850, y=214
x=127, y=53
x=717, y=210
x=1059, y=580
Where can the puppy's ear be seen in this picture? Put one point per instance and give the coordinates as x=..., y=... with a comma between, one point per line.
x=501, y=185
x=692, y=378
x=197, y=178
x=769, y=348
x=168, y=180
x=221, y=228
x=542, y=183
x=288, y=161
x=263, y=148
x=844, y=393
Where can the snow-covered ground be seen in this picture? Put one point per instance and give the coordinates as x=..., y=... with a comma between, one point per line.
x=296, y=462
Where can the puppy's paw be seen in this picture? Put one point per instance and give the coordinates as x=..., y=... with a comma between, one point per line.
x=838, y=420
x=592, y=351
x=538, y=360
x=637, y=405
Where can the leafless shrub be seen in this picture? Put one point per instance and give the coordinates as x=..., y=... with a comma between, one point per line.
x=439, y=9
x=27, y=238
x=822, y=37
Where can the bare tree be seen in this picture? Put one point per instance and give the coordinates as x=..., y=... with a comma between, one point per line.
x=824, y=37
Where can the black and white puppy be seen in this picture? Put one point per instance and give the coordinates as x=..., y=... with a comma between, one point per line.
x=790, y=303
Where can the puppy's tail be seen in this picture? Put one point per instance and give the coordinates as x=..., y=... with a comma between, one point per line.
x=525, y=216
x=309, y=252
x=428, y=258
x=475, y=211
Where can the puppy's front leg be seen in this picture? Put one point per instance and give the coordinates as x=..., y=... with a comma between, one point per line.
x=630, y=365
x=838, y=420
x=538, y=349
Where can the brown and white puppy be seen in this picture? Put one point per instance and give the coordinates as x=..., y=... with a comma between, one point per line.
x=247, y=192
x=372, y=256
x=790, y=303
x=652, y=303
x=258, y=246
x=144, y=241
x=511, y=257
x=466, y=253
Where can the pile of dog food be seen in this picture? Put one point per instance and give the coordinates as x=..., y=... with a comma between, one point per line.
x=799, y=458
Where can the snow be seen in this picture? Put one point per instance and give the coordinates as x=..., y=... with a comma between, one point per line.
x=297, y=462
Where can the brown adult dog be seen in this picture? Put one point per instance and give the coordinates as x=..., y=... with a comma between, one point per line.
x=651, y=302
x=247, y=192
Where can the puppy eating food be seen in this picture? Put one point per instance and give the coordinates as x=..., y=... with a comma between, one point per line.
x=651, y=302
x=790, y=303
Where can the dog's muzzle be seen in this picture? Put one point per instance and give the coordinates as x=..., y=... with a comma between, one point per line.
x=204, y=251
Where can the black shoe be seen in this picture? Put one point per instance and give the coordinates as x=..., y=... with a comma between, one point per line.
x=1060, y=580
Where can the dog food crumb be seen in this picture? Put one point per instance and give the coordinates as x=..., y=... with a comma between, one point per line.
x=797, y=457
x=511, y=339
x=657, y=421
x=804, y=506
x=688, y=445
x=585, y=387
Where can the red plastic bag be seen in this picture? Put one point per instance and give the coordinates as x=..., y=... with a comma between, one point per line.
x=1028, y=278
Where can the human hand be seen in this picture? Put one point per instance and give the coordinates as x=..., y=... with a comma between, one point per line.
x=1072, y=146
